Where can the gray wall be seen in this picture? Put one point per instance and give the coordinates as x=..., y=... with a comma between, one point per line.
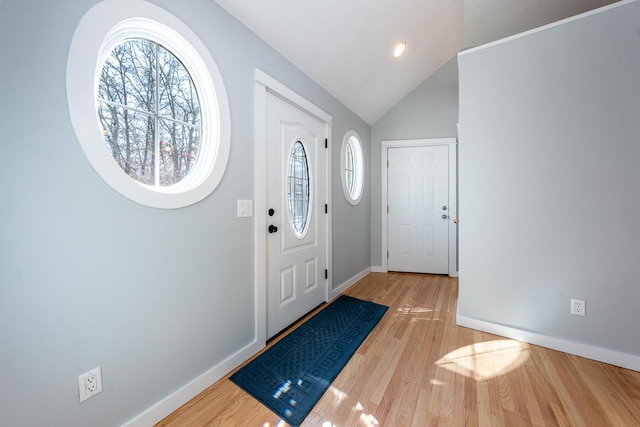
x=351, y=224
x=549, y=179
x=429, y=111
x=88, y=278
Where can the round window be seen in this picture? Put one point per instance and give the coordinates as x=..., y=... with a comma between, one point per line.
x=352, y=167
x=148, y=104
x=298, y=189
x=149, y=113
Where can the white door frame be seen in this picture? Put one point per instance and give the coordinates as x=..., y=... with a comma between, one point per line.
x=453, y=206
x=266, y=84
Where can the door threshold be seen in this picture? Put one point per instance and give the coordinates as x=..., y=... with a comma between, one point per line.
x=299, y=321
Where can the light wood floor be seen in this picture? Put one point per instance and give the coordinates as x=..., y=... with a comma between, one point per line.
x=417, y=368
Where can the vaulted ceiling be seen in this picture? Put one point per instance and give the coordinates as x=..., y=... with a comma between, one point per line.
x=346, y=45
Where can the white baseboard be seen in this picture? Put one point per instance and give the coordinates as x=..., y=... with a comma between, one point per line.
x=178, y=398
x=380, y=269
x=347, y=284
x=612, y=357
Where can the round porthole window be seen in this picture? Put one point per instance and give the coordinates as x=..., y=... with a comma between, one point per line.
x=149, y=113
x=298, y=189
x=148, y=104
x=352, y=161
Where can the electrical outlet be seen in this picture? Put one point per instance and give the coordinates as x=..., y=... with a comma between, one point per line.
x=90, y=383
x=578, y=307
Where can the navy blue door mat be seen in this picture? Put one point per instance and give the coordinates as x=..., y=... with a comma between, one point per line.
x=291, y=376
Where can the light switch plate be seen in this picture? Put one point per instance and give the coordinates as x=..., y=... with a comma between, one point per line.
x=245, y=208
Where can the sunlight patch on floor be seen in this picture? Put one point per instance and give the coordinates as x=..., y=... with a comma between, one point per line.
x=485, y=360
x=369, y=420
x=414, y=311
x=418, y=313
x=339, y=394
x=366, y=420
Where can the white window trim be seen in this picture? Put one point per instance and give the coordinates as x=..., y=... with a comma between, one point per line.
x=359, y=168
x=98, y=31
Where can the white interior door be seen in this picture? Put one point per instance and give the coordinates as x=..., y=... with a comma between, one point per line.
x=418, y=209
x=296, y=220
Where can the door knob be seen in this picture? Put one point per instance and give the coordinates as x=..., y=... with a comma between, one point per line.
x=444, y=208
x=444, y=216
x=273, y=228
x=271, y=212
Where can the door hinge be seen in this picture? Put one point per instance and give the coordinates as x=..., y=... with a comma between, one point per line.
x=326, y=273
x=387, y=254
x=387, y=208
x=326, y=143
x=326, y=208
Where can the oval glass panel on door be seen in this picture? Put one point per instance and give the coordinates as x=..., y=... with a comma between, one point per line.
x=298, y=189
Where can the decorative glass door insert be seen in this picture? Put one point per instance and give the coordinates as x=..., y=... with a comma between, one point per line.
x=298, y=189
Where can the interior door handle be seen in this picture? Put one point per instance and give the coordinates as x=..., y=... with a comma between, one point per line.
x=273, y=228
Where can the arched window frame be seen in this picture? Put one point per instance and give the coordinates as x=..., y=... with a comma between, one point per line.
x=352, y=183
x=101, y=28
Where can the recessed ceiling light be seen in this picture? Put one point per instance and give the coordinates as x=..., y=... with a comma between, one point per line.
x=399, y=49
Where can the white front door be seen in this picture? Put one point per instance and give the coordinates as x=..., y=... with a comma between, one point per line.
x=296, y=220
x=418, y=209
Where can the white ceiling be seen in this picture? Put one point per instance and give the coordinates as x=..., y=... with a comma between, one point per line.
x=346, y=45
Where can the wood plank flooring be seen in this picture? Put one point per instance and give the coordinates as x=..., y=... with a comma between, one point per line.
x=417, y=368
